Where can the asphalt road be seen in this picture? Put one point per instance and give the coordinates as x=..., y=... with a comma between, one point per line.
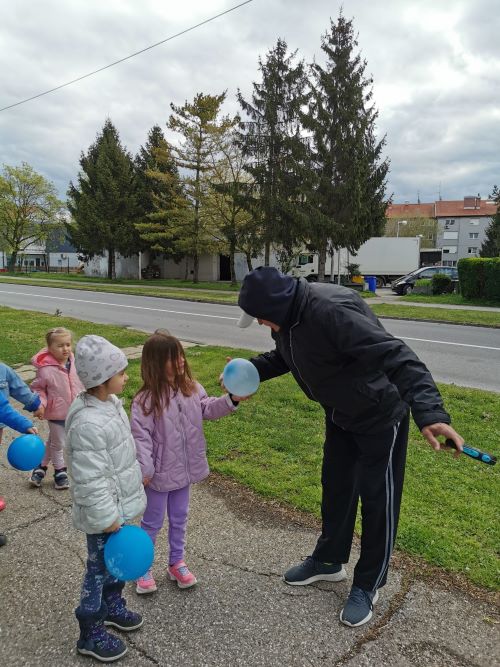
x=467, y=356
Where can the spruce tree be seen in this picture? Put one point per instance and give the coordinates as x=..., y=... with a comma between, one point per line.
x=347, y=196
x=103, y=203
x=271, y=139
x=491, y=244
x=164, y=208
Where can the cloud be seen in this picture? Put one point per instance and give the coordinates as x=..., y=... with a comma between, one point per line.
x=436, y=70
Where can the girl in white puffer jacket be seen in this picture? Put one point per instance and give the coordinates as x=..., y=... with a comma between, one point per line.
x=106, y=488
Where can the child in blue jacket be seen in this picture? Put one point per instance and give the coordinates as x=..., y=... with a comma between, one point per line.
x=16, y=421
x=12, y=385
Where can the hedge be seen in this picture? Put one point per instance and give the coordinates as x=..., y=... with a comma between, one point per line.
x=441, y=283
x=480, y=277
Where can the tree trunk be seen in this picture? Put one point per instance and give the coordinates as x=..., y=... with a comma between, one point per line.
x=186, y=268
x=12, y=263
x=196, y=261
x=267, y=253
x=111, y=264
x=249, y=261
x=321, y=263
x=232, y=250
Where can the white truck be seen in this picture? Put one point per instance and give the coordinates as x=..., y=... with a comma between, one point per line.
x=384, y=257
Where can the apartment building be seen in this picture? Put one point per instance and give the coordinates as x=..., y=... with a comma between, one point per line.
x=461, y=225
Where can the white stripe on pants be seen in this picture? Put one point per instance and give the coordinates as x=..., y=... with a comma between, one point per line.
x=389, y=512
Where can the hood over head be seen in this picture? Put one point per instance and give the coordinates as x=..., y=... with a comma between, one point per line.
x=266, y=294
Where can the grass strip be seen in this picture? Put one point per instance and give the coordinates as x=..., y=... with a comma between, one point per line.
x=160, y=282
x=471, y=317
x=453, y=299
x=206, y=296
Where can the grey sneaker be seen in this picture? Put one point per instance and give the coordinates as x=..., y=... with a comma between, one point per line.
x=358, y=609
x=311, y=570
x=37, y=476
x=61, y=480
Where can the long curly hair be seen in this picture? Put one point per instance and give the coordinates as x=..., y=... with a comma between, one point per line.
x=157, y=387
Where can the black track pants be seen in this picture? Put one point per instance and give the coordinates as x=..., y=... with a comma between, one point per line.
x=370, y=467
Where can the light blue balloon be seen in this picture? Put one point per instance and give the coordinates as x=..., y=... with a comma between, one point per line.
x=26, y=452
x=129, y=553
x=240, y=377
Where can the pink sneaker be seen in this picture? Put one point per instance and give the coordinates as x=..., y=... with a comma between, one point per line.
x=145, y=584
x=180, y=572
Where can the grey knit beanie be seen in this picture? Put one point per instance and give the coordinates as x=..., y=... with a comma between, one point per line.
x=97, y=360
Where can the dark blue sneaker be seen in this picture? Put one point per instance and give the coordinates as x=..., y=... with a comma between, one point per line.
x=311, y=570
x=122, y=618
x=99, y=644
x=358, y=609
x=3, y=540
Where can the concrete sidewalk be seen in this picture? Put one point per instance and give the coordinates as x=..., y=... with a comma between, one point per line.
x=241, y=612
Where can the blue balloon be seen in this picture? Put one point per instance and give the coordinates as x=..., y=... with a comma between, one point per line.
x=240, y=377
x=26, y=452
x=129, y=553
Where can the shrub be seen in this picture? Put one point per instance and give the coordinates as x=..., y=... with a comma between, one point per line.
x=480, y=277
x=441, y=283
x=423, y=286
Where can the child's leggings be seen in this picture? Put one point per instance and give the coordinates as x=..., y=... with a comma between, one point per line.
x=101, y=592
x=176, y=505
x=54, y=445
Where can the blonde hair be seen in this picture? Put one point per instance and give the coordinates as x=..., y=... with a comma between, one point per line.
x=56, y=331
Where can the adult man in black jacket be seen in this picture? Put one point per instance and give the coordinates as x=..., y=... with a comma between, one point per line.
x=367, y=381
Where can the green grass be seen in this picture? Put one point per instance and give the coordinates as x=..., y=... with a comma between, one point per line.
x=116, y=288
x=273, y=445
x=22, y=333
x=474, y=317
x=79, y=277
x=453, y=299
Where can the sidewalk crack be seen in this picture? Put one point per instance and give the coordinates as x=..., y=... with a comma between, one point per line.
x=377, y=628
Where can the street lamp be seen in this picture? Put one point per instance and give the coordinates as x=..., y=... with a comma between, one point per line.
x=401, y=222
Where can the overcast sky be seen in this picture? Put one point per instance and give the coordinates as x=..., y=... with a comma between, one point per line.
x=435, y=65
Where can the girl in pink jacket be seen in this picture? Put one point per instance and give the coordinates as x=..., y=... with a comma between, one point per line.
x=57, y=384
x=167, y=425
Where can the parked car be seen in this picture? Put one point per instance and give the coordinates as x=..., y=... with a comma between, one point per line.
x=150, y=272
x=406, y=284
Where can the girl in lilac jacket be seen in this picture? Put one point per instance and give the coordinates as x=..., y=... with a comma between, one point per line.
x=167, y=425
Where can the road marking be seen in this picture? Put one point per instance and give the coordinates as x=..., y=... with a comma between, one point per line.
x=221, y=317
x=444, y=342
x=120, y=305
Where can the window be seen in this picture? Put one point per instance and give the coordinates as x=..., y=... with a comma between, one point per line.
x=450, y=222
x=305, y=259
x=450, y=262
x=450, y=249
x=450, y=235
x=473, y=235
x=474, y=222
x=428, y=273
x=472, y=251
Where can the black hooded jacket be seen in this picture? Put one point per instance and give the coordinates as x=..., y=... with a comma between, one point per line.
x=341, y=355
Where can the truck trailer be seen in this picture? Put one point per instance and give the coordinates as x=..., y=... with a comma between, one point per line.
x=387, y=258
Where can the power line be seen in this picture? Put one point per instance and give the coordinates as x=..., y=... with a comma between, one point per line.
x=132, y=55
